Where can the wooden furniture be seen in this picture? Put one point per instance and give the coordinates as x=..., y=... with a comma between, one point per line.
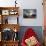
x=0, y=43
x=10, y=43
x=6, y=12
x=5, y=23
x=44, y=8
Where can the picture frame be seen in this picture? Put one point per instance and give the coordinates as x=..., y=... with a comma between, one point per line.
x=13, y=12
x=29, y=13
x=5, y=12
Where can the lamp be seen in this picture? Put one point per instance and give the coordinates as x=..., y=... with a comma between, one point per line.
x=15, y=3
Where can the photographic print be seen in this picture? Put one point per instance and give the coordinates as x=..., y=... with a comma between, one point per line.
x=29, y=13
x=5, y=12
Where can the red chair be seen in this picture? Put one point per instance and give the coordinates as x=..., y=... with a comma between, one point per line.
x=29, y=33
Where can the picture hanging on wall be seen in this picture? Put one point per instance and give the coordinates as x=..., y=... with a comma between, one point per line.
x=29, y=13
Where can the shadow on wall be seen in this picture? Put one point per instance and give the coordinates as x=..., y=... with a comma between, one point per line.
x=37, y=29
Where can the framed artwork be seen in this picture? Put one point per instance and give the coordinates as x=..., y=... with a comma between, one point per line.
x=29, y=13
x=13, y=12
x=5, y=12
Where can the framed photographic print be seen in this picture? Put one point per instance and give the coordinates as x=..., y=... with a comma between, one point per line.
x=5, y=12
x=29, y=13
x=12, y=12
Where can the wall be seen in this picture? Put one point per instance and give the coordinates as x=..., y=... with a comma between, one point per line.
x=32, y=4
x=27, y=4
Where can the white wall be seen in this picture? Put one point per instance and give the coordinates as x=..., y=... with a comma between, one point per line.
x=32, y=4
x=27, y=4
